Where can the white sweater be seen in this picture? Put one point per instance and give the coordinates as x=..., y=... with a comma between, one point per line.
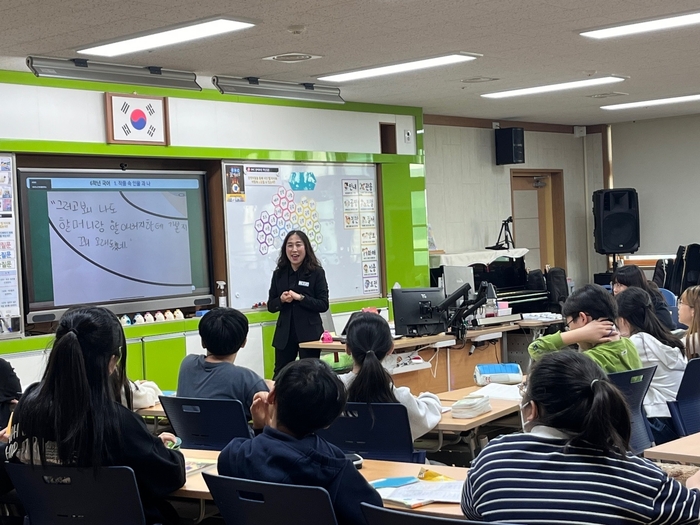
x=670, y=365
x=424, y=411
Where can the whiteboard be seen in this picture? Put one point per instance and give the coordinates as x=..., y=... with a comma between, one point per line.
x=334, y=204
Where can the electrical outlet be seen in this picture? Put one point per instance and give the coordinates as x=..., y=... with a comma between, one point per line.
x=407, y=136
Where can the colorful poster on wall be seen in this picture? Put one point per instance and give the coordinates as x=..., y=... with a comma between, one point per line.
x=10, y=292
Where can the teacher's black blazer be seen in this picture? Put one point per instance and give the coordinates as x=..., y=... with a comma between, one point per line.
x=306, y=313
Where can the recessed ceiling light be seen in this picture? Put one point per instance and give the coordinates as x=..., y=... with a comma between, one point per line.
x=656, y=102
x=644, y=27
x=454, y=58
x=167, y=38
x=292, y=58
x=608, y=95
x=554, y=87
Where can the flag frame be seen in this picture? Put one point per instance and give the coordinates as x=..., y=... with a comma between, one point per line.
x=160, y=118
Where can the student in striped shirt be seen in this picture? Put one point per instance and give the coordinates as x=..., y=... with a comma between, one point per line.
x=571, y=465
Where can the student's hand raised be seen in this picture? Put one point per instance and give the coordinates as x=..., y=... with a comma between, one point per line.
x=260, y=410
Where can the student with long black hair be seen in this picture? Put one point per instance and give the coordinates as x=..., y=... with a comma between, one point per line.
x=590, y=313
x=656, y=347
x=73, y=418
x=571, y=464
x=632, y=276
x=369, y=341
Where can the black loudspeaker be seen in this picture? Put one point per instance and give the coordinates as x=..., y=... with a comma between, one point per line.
x=510, y=146
x=616, y=219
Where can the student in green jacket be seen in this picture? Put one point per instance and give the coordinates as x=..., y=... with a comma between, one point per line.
x=589, y=313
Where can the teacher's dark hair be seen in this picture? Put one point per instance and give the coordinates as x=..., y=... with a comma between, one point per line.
x=573, y=394
x=593, y=300
x=310, y=261
x=635, y=306
x=309, y=396
x=74, y=405
x=369, y=341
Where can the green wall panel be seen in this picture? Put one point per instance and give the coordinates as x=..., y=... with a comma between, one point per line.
x=134, y=359
x=268, y=331
x=405, y=230
x=162, y=357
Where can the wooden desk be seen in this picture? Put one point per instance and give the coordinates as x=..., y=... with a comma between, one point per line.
x=499, y=408
x=196, y=488
x=399, y=344
x=154, y=411
x=685, y=450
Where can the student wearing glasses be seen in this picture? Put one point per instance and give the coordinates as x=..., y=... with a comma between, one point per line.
x=689, y=315
x=590, y=313
x=572, y=465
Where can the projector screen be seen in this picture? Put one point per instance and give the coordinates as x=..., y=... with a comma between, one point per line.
x=128, y=240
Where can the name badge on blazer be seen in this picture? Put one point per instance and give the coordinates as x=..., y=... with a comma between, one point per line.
x=303, y=283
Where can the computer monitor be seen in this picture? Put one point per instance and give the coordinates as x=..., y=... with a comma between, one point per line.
x=416, y=312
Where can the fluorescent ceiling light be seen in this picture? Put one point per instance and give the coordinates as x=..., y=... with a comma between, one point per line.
x=656, y=102
x=400, y=68
x=167, y=38
x=644, y=27
x=82, y=69
x=276, y=89
x=554, y=87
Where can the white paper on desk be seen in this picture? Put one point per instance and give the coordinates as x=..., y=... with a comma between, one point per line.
x=499, y=391
x=436, y=491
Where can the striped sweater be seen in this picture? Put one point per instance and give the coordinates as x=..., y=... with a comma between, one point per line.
x=533, y=479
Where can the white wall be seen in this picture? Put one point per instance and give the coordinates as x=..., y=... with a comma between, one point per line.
x=469, y=195
x=660, y=159
x=57, y=114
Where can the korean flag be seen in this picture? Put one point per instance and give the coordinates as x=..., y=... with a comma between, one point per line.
x=138, y=119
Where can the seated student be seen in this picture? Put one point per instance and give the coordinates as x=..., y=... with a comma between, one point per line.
x=656, y=347
x=589, y=313
x=369, y=341
x=632, y=276
x=571, y=464
x=215, y=376
x=73, y=418
x=307, y=396
x=689, y=315
x=10, y=391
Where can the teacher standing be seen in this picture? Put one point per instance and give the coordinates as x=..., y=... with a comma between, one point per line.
x=299, y=292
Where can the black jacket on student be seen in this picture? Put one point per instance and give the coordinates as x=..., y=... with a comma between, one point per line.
x=276, y=457
x=304, y=314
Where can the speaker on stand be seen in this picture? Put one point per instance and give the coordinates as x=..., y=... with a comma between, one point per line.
x=616, y=221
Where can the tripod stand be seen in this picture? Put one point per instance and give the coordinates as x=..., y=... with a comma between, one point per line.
x=507, y=237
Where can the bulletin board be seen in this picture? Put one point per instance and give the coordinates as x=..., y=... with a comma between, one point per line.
x=336, y=205
x=11, y=318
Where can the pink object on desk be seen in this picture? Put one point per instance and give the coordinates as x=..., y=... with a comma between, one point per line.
x=326, y=337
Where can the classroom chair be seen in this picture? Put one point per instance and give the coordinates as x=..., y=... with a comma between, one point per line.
x=68, y=495
x=669, y=297
x=634, y=385
x=246, y=502
x=685, y=410
x=374, y=431
x=381, y=516
x=207, y=424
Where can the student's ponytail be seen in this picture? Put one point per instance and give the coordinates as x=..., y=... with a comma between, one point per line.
x=74, y=406
x=369, y=341
x=573, y=394
x=635, y=306
x=607, y=407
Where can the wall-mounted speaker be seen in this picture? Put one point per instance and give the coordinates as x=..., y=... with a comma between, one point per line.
x=510, y=146
x=616, y=219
